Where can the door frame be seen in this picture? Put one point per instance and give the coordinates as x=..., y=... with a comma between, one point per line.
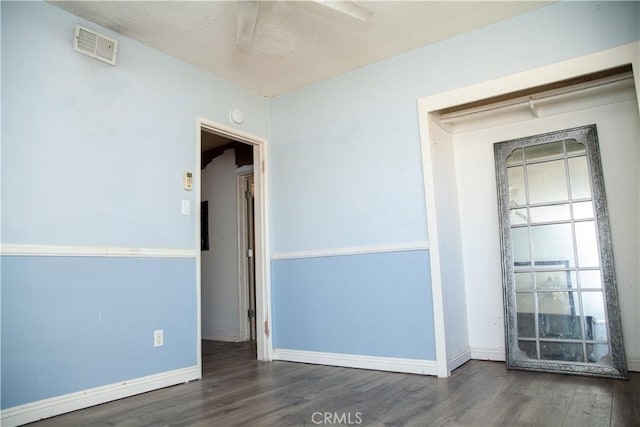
x=262, y=232
x=428, y=108
x=244, y=299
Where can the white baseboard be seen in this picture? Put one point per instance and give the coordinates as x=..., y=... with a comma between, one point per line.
x=633, y=363
x=460, y=358
x=488, y=353
x=392, y=364
x=217, y=337
x=46, y=408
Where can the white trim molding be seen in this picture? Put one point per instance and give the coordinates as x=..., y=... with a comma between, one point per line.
x=579, y=66
x=9, y=249
x=488, y=353
x=633, y=363
x=46, y=408
x=353, y=250
x=378, y=363
x=460, y=358
x=242, y=220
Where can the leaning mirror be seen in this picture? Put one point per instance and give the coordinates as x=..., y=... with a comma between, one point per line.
x=561, y=305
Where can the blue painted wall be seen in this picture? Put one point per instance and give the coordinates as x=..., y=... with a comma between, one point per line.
x=369, y=304
x=346, y=171
x=93, y=155
x=74, y=323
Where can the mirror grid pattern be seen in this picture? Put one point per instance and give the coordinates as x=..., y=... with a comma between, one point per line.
x=560, y=296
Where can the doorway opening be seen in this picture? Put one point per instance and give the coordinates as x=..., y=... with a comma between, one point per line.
x=234, y=303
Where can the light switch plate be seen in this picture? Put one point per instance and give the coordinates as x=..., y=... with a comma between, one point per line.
x=186, y=207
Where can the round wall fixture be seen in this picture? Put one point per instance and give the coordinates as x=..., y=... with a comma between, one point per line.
x=236, y=116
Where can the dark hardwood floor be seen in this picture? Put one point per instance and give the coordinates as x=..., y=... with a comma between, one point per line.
x=237, y=390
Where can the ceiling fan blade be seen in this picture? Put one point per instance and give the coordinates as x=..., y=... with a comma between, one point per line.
x=347, y=7
x=247, y=17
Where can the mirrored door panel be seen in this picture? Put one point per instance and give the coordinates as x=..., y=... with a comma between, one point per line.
x=561, y=302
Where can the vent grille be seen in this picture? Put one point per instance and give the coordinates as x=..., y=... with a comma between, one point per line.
x=95, y=45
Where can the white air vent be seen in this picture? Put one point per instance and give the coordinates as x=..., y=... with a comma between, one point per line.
x=95, y=45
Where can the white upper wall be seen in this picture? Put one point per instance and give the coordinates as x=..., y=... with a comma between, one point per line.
x=345, y=156
x=94, y=154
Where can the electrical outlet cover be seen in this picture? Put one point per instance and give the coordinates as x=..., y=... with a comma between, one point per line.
x=158, y=338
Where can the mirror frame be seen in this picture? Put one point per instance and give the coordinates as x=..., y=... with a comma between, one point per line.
x=587, y=135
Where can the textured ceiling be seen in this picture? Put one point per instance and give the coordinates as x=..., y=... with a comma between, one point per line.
x=295, y=43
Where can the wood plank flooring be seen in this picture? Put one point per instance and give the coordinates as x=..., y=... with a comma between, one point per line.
x=237, y=390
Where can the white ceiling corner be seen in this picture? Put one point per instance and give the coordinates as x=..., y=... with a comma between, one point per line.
x=294, y=43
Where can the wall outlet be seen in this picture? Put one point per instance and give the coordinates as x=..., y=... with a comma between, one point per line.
x=158, y=338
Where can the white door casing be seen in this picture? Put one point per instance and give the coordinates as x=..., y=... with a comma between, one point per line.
x=262, y=233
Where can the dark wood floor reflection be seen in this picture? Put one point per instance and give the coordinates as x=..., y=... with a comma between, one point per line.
x=237, y=390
